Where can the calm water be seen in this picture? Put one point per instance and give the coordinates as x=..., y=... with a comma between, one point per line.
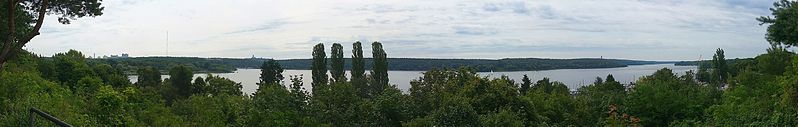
x=574, y=78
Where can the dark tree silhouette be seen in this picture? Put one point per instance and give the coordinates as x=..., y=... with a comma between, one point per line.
x=179, y=86
x=719, y=66
x=337, y=63
x=148, y=77
x=271, y=73
x=319, y=67
x=783, y=24
x=359, y=69
x=525, y=85
x=380, y=68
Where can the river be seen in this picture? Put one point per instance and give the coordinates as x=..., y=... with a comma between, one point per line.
x=573, y=78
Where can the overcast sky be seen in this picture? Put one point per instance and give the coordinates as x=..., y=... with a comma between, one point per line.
x=632, y=29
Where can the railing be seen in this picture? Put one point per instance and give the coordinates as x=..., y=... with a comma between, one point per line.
x=34, y=111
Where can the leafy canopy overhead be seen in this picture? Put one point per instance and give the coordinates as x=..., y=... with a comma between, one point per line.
x=783, y=24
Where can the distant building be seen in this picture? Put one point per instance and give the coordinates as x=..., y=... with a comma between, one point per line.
x=123, y=56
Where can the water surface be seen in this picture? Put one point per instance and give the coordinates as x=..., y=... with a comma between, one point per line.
x=573, y=78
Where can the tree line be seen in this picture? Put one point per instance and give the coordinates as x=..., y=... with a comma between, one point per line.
x=228, y=65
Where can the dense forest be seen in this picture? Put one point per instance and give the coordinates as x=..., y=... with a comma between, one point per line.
x=227, y=65
x=762, y=91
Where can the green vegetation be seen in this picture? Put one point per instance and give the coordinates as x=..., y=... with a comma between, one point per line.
x=89, y=95
x=379, y=72
x=762, y=91
x=337, y=63
x=319, y=68
x=271, y=72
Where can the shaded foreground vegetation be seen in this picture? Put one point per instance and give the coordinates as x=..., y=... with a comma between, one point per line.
x=97, y=94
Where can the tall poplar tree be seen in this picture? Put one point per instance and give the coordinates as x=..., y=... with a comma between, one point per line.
x=380, y=68
x=720, y=68
x=319, y=67
x=337, y=63
x=358, y=69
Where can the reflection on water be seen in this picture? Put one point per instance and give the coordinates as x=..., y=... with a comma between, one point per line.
x=571, y=77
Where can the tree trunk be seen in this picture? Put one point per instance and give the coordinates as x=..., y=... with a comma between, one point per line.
x=9, y=49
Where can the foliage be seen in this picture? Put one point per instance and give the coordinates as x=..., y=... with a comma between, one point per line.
x=525, y=85
x=179, y=84
x=218, y=86
x=380, y=71
x=271, y=72
x=720, y=70
x=111, y=76
x=272, y=106
x=211, y=65
x=20, y=91
x=503, y=118
x=71, y=67
x=148, y=77
x=599, y=95
x=775, y=61
x=784, y=23
x=221, y=110
x=337, y=63
x=749, y=102
x=663, y=97
x=358, y=70
x=319, y=68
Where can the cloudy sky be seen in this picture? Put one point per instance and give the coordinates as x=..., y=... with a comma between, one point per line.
x=633, y=29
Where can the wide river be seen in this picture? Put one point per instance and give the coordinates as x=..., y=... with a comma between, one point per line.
x=573, y=78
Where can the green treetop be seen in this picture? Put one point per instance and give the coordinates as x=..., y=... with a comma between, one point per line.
x=380, y=71
x=337, y=63
x=319, y=67
x=721, y=69
x=358, y=69
x=271, y=73
x=783, y=24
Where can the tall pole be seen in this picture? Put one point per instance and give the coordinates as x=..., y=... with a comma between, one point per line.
x=167, y=43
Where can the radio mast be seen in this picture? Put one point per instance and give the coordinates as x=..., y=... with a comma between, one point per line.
x=167, y=43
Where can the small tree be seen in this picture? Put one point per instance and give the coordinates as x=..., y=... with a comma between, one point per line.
x=720, y=68
x=271, y=73
x=525, y=85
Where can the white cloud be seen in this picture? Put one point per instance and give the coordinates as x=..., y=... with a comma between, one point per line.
x=633, y=29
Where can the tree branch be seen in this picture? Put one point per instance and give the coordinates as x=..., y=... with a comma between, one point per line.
x=9, y=51
x=39, y=22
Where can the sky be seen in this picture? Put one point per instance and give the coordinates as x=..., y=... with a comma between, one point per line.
x=483, y=29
